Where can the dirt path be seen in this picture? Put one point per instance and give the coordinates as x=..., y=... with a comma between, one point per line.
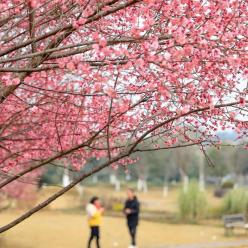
x=229, y=244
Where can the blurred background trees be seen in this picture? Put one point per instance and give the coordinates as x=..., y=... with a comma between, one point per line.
x=223, y=165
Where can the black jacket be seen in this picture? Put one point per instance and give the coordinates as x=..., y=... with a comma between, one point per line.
x=133, y=217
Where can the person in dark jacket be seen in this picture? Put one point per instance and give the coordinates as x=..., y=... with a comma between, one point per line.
x=131, y=210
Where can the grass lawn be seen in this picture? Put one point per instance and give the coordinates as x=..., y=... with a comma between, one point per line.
x=54, y=229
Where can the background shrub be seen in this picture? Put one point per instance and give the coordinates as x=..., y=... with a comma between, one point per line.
x=227, y=185
x=192, y=203
x=117, y=207
x=236, y=201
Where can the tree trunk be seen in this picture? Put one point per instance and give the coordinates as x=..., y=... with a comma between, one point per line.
x=142, y=185
x=80, y=190
x=112, y=179
x=201, y=173
x=165, y=190
x=95, y=179
x=66, y=178
x=185, y=180
x=117, y=185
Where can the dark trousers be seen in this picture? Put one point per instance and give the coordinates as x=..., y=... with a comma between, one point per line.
x=95, y=233
x=132, y=231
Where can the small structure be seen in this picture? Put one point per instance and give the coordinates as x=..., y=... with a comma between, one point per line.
x=234, y=221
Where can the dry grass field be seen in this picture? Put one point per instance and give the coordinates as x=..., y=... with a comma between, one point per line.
x=53, y=229
x=59, y=226
x=153, y=200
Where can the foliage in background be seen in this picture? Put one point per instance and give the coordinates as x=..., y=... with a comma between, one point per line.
x=52, y=176
x=160, y=168
x=236, y=201
x=192, y=203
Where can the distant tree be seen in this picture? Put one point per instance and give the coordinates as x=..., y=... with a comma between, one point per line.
x=221, y=161
x=52, y=176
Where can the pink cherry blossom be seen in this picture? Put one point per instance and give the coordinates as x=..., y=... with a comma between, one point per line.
x=101, y=79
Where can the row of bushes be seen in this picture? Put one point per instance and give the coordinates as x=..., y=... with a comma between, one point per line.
x=193, y=204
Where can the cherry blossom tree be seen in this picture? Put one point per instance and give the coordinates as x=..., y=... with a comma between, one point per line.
x=106, y=79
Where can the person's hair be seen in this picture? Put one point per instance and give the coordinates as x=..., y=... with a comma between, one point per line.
x=132, y=190
x=93, y=199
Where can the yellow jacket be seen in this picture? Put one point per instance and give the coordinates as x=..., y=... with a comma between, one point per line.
x=94, y=215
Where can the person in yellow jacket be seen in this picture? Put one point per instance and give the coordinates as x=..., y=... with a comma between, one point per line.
x=94, y=212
